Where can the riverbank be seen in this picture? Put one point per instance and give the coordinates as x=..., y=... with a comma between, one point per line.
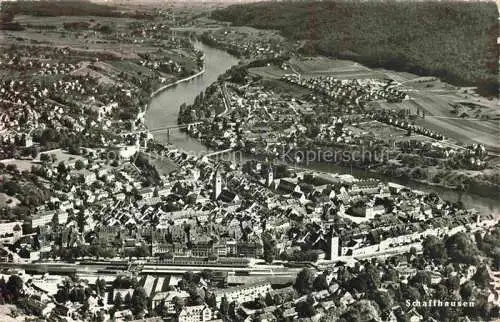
x=164, y=111
x=167, y=86
x=164, y=106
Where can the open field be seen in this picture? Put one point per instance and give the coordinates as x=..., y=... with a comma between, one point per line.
x=449, y=110
x=57, y=40
x=338, y=68
x=37, y=34
x=398, y=76
x=464, y=127
x=466, y=131
x=272, y=71
x=59, y=20
x=285, y=88
x=127, y=67
x=377, y=129
x=405, y=104
x=101, y=78
x=60, y=155
x=164, y=166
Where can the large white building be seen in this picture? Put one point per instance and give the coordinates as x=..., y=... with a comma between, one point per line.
x=245, y=293
x=41, y=219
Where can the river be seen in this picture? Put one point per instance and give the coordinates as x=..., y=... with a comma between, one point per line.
x=164, y=108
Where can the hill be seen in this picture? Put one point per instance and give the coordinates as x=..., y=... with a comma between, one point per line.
x=9, y=9
x=456, y=41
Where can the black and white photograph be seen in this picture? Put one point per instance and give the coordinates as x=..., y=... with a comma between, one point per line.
x=249, y=161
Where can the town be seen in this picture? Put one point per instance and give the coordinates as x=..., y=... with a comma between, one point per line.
x=304, y=205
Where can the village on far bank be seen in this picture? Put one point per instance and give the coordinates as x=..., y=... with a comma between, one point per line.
x=103, y=221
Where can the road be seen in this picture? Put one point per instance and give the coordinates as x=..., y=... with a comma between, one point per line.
x=225, y=99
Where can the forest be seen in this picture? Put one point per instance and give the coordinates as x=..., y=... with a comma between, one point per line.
x=63, y=8
x=455, y=41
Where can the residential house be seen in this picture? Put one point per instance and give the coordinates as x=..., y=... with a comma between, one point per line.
x=197, y=313
x=244, y=293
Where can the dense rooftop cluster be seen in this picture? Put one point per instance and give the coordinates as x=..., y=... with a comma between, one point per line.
x=99, y=221
x=247, y=44
x=260, y=120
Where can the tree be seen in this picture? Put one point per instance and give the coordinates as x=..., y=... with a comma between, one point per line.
x=269, y=247
x=391, y=275
x=224, y=306
x=188, y=277
x=434, y=248
x=452, y=283
x=211, y=300
x=79, y=165
x=320, y=283
x=44, y=157
x=178, y=303
x=269, y=299
x=482, y=277
x=305, y=309
x=15, y=285
x=160, y=308
x=207, y=274
x=232, y=309
x=118, y=301
x=101, y=284
x=383, y=299
x=467, y=290
x=74, y=149
x=128, y=300
x=61, y=168
x=373, y=237
x=142, y=251
x=450, y=313
x=413, y=251
x=139, y=301
x=81, y=221
x=363, y=310
x=197, y=296
x=441, y=291
x=63, y=294
x=304, y=281
x=372, y=275
x=410, y=292
x=461, y=249
x=11, y=167
x=422, y=277
x=24, y=253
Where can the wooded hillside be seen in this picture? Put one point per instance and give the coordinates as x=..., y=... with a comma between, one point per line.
x=455, y=41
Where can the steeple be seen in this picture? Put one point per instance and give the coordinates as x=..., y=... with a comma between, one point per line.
x=217, y=185
x=269, y=175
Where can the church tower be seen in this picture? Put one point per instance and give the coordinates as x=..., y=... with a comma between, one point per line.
x=270, y=175
x=333, y=247
x=217, y=183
